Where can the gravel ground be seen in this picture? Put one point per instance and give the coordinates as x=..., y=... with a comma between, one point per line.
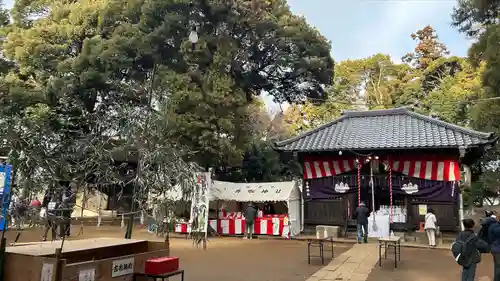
x=226, y=259
x=427, y=265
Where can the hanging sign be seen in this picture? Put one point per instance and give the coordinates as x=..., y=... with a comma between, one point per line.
x=341, y=187
x=199, y=204
x=87, y=275
x=122, y=267
x=410, y=188
x=422, y=209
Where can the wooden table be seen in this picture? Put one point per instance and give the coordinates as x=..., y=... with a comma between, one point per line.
x=163, y=277
x=386, y=243
x=318, y=242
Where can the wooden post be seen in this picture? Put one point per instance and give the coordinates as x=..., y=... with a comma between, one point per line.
x=84, y=202
x=167, y=239
x=346, y=212
x=130, y=222
x=409, y=225
x=58, y=265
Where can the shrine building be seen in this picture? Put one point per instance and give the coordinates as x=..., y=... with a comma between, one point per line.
x=396, y=161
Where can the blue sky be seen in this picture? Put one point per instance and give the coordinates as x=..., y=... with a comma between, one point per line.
x=361, y=28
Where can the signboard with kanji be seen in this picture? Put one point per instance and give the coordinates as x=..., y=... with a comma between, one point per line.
x=122, y=267
x=200, y=202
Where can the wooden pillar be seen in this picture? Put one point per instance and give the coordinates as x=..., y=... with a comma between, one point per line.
x=409, y=222
x=460, y=201
x=345, y=199
x=58, y=265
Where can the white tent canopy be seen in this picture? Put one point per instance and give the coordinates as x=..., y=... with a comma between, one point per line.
x=256, y=192
x=287, y=192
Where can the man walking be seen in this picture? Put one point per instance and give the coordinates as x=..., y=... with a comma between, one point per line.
x=51, y=203
x=361, y=214
x=68, y=202
x=20, y=209
x=250, y=214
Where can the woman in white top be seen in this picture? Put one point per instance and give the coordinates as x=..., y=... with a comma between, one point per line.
x=430, y=227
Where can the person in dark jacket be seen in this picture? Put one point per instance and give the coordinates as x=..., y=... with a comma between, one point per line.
x=250, y=214
x=51, y=199
x=486, y=222
x=361, y=214
x=494, y=239
x=475, y=247
x=68, y=203
x=19, y=213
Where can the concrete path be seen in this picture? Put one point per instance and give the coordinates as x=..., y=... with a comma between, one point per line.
x=353, y=265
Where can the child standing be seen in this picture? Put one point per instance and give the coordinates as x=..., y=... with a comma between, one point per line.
x=467, y=250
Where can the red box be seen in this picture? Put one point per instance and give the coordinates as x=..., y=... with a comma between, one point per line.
x=161, y=265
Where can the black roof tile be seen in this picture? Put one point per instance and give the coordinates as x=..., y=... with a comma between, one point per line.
x=397, y=128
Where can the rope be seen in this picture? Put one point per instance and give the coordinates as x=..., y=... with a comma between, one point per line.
x=359, y=181
x=390, y=190
x=372, y=183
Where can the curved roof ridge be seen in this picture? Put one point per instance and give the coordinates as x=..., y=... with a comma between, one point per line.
x=377, y=112
x=449, y=125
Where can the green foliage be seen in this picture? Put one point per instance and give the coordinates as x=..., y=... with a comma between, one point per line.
x=372, y=80
x=479, y=19
x=471, y=16
x=261, y=163
x=79, y=78
x=85, y=81
x=428, y=48
x=436, y=84
x=215, y=124
x=428, y=80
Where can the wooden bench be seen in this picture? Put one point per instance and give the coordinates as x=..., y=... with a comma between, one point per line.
x=319, y=243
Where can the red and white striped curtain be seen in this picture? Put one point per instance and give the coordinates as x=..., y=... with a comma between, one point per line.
x=432, y=169
x=320, y=168
x=437, y=170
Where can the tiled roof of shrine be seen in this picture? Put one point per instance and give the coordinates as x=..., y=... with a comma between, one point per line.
x=398, y=128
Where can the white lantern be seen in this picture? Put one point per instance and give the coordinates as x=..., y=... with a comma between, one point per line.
x=193, y=37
